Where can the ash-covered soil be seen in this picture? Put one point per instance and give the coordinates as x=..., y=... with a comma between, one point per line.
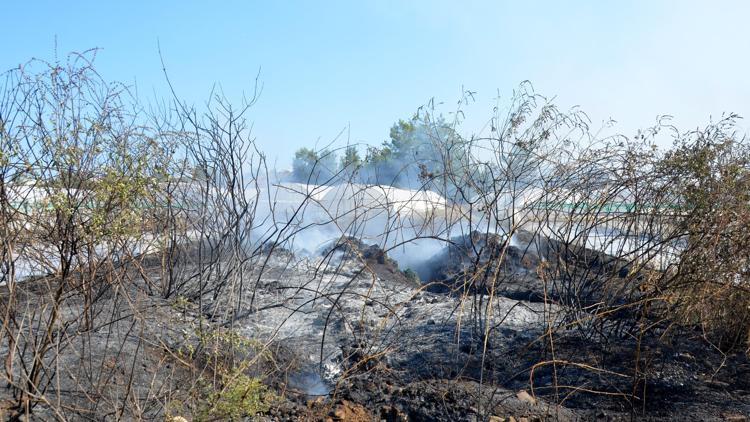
x=406, y=352
x=352, y=337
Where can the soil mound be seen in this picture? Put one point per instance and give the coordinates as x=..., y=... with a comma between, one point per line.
x=481, y=263
x=374, y=259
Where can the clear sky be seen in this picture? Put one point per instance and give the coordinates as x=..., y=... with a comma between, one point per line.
x=326, y=66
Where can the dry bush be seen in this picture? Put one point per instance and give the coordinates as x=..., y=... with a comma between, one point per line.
x=113, y=211
x=709, y=287
x=638, y=243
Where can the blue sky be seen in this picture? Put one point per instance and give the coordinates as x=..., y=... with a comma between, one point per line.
x=326, y=66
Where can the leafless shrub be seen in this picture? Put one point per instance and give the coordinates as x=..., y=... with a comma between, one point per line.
x=709, y=170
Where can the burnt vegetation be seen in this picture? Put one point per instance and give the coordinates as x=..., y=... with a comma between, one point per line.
x=154, y=267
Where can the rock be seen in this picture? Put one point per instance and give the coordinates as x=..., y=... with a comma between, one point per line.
x=350, y=412
x=317, y=402
x=526, y=397
x=392, y=414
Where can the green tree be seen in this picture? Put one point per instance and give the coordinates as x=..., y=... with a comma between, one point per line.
x=419, y=152
x=314, y=166
x=351, y=158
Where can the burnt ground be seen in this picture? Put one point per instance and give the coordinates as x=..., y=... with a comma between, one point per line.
x=354, y=338
x=441, y=368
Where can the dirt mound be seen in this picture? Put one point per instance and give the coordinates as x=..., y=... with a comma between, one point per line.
x=480, y=263
x=374, y=259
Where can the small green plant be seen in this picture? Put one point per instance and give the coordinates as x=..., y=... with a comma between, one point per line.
x=240, y=395
x=181, y=304
x=412, y=276
x=226, y=385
